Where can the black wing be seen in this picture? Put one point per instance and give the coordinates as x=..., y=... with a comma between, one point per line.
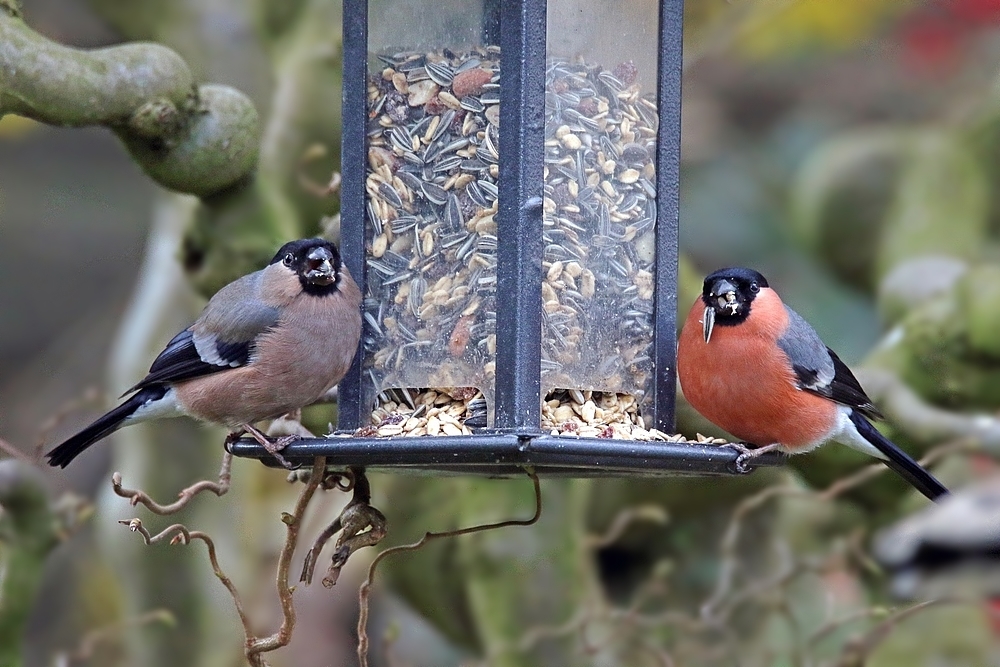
x=223, y=337
x=180, y=360
x=846, y=390
x=819, y=370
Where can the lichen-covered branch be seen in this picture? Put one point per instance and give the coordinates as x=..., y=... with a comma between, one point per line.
x=213, y=148
x=194, y=139
x=60, y=85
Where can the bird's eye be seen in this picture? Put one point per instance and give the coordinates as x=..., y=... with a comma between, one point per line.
x=287, y=261
x=754, y=287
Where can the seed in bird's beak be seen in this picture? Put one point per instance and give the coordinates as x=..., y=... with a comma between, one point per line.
x=708, y=322
x=731, y=302
x=321, y=276
x=319, y=267
x=724, y=293
x=728, y=300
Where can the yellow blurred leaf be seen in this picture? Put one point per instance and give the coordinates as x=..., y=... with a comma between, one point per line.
x=776, y=28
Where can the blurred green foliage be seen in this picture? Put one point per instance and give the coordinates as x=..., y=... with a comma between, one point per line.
x=864, y=189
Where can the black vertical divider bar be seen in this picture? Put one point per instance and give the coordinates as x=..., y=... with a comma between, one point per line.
x=352, y=186
x=519, y=227
x=668, y=149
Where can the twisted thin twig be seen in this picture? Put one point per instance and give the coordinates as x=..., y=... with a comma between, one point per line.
x=257, y=645
x=728, y=597
x=254, y=646
x=594, y=608
x=359, y=524
x=623, y=520
x=320, y=190
x=834, y=624
x=730, y=541
x=365, y=590
x=857, y=651
x=179, y=534
x=137, y=497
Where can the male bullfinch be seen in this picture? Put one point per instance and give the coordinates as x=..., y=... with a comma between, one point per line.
x=266, y=344
x=752, y=366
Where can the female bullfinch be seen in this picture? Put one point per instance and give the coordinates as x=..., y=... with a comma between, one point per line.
x=266, y=344
x=752, y=366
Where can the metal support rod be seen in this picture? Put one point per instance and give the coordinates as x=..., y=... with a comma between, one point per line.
x=668, y=149
x=352, y=186
x=519, y=224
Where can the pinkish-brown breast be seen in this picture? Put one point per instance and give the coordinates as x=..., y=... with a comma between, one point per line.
x=292, y=365
x=743, y=382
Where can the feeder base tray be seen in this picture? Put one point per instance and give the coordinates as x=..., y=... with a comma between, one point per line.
x=511, y=455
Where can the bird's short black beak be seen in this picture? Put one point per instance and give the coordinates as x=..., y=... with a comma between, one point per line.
x=319, y=266
x=721, y=287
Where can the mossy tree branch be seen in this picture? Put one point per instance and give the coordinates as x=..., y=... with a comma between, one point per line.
x=198, y=140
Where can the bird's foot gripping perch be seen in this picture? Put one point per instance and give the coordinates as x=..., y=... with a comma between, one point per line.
x=273, y=446
x=747, y=455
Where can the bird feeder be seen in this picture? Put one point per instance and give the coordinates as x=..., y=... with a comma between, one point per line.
x=509, y=209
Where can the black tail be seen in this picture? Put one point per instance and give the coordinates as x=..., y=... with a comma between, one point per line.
x=898, y=460
x=103, y=426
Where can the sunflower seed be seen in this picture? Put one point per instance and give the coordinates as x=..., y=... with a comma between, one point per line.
x=440, y=73
x=434, y=193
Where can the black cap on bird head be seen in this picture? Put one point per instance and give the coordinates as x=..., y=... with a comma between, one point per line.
x=316, y=262
x=728, y=295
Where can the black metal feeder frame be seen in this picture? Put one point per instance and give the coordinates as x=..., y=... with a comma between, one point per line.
x=515, y=272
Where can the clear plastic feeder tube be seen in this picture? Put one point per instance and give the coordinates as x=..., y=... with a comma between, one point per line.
x=431, y=187
x=599, y=201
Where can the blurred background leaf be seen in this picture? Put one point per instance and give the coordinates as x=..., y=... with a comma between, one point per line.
x=849, y=150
